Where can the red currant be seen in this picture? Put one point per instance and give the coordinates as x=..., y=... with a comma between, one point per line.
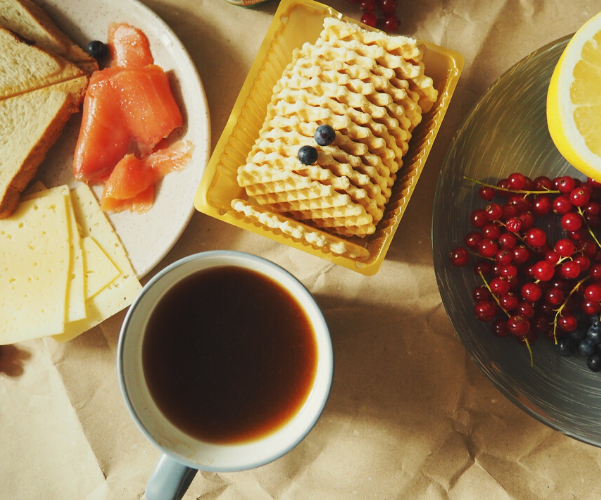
x=517, y=181
x=593, y=183
x=494, y=211
x=521, y=254
x=370, y=19
x=580, y=196
x=552, y=257
x=571, y=221
x=507, y=241
x=488, y=248
x=519, y=202
x=536, y=237
x=544, y=270
x=589, y=307
x=478, y=218
x=593, y=292
x=565, y=184
x=543, y=183
x=504, y=257
x=508, y=301
x=554, y=296
x=471, y=240
x=583, y=262
x=525, y=309
x=527, y=220
x=532, y=292
x=487, y=193
x=504, y=184
x=391, y=22
x=518, y=325
x=459, y=257
x=499, y=327
x=570, y=270
x=485, y=310
x=388, y=6
x=491, y=231
x=499, y=286
x=483, y=267
x=562, y=205
x=595, y=272
x=567, y=322
x=514, y=225
x=541, y=205
x=564, y=247
x=481, y=293
x=368, y=6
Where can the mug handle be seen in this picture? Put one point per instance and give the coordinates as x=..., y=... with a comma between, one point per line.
x=170, y=480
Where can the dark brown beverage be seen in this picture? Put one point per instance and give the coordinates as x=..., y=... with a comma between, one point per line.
x=229, y=355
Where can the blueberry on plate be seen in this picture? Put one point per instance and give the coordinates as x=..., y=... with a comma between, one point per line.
x=325, y=135
x=578, y=334
x=594, y=333
x=97, y=49
x=307, y=155
x=594, y=362
x=566, y=346
x=587, y=346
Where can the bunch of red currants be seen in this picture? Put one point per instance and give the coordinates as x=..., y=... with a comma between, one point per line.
x=532, y=286
x=370, y=8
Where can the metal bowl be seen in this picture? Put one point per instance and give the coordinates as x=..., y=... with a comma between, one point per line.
x=506, y=132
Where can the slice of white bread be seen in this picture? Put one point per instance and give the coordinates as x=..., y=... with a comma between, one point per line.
x=30, y=123
x=25, y=67
x=31, y=22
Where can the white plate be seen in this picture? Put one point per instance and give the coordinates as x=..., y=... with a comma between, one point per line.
x=147, y=237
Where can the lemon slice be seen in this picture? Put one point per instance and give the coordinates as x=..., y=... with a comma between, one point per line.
x=574, y=100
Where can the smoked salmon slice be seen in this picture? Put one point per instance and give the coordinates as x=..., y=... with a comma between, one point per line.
x=129, y=111
x=128, y=46
x=128, y=187
x=147, y=103
x=104, y=137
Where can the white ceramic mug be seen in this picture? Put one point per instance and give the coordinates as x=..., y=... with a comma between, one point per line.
x=183, y=455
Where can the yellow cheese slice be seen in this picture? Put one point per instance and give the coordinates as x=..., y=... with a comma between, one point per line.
x=34, y=269
x=122, y=291
x=99, y=270
x=76, y=302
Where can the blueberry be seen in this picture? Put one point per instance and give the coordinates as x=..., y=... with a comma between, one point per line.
x=307, y=155
x=97, y=49
x=566, y=346
x=587, y=346
x=594, y=319
x=594, y=333
x=325, y=135
x=594, y=362
x=578, y=334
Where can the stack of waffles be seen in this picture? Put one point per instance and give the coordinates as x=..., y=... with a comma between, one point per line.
x=371, y=88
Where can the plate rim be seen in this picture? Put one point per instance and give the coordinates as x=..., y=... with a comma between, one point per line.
x=438, y=266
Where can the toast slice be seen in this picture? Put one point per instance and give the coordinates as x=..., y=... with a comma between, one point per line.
x=30, y=123
x=27, y=67
x=28, y=20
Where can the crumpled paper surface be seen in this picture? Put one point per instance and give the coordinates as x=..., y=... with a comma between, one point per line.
x=409, y=417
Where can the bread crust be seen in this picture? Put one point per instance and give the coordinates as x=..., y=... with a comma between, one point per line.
x=74, y=94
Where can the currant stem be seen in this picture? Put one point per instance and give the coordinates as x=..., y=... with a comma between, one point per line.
x=518, y=191
x=480, y=256
x=494, y=296
x=588, y=227
x=530, y=351
x=558, y=311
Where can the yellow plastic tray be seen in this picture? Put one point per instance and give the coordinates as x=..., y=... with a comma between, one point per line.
x=294, y=23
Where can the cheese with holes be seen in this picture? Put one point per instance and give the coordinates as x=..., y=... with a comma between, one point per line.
x=122, y=291
x=34, y=269
x=99, y=269
x=76, y=300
